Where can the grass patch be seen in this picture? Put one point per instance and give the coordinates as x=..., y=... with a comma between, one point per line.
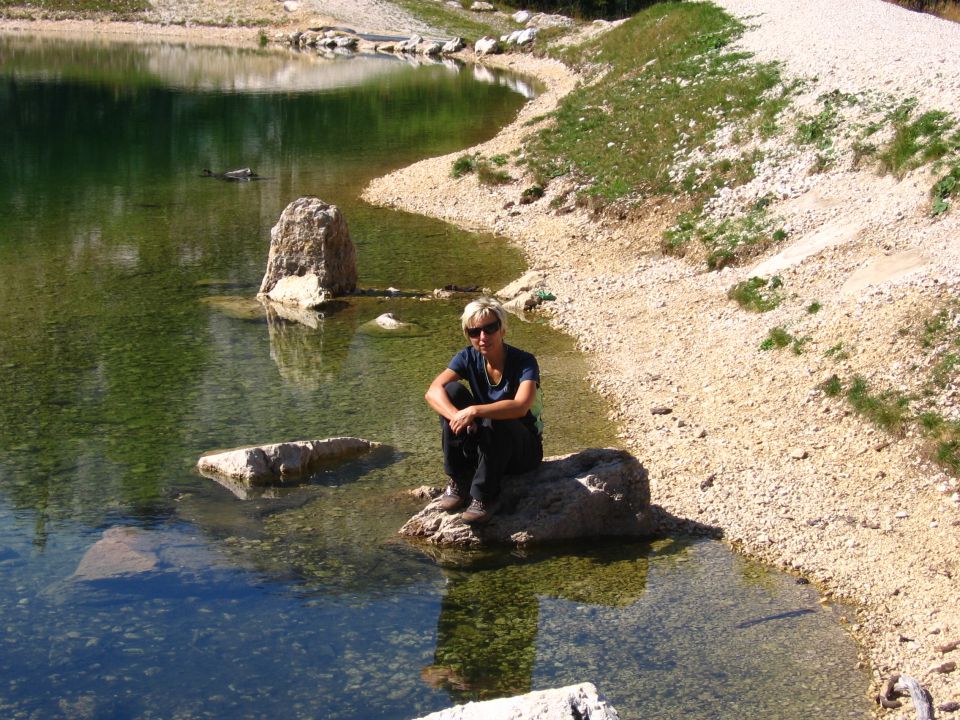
x=777, y=339
x=832, y=387
x=487, y=169
x=121, y=9
x=888, y=410
x=457, y=21
x=727, y=242
x=891, y=410
x=670, y=81
x=489, y=174
x=944, y=189
x=464, y=165
x=918, y=142
x=757, y=294
x=531, y=194
x=837, y=352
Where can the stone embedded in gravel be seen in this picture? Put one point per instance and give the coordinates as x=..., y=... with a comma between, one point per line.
x=660, y=410
x=948, y=706
x=947, y=667
x=799, y=454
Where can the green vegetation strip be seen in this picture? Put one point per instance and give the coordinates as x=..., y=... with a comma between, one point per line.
x=121, y=9
x=457, y=22
x=896, y=412
x=663, y=82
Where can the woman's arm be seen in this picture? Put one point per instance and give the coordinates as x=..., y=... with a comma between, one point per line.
x=500, y=410
x=437, y=397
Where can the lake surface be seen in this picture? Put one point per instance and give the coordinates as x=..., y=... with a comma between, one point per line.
x=129, y=345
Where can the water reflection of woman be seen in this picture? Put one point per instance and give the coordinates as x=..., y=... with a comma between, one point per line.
x=494, y=428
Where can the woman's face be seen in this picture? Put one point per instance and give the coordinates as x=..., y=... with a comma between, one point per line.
x=485, y=333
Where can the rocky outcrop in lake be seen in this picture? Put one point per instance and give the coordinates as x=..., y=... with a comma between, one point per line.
x=268, y=464
x=312, y=257
x=592, y=493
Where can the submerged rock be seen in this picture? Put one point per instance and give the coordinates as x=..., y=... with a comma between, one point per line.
x=592, y=493
x=312, y=257
x=389, y=324
x=573, y=702
x=267, y=464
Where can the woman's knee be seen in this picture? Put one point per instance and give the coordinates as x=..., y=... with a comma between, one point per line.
x=459, y=395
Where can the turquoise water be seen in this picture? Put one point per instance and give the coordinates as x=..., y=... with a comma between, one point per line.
x=129, y=346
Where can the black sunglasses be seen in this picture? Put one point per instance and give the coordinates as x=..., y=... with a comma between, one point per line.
x=490, y=328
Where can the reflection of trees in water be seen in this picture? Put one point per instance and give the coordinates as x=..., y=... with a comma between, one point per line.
x=487, y=629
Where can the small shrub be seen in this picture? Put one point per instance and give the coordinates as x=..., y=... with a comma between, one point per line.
x=499, y=160
x=814, y=307
x=817, y=130
x=798, y=343
x=488, y=175
x=262, y=39
x=757, y=294
x=944, y=189
x=832, y=387
x=917, y=142
x=531, y=194
x=837, y=352
x=463, y=165
x=777, y=338
x=888, y=410
x=948, y=455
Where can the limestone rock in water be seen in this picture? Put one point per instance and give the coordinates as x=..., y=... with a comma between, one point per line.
x=573, y=702
x=521, y=294
x=389, y=324
x=121, y=551
x=311, y=255
x=267, y=464
x=592, y=493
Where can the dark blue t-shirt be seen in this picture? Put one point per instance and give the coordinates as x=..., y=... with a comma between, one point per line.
x=518, y=366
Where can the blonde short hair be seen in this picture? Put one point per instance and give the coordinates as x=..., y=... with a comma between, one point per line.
x=480, y=307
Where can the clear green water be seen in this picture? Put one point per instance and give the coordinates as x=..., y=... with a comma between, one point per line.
x=125, y=353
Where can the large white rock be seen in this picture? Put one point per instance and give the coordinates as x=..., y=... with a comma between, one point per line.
x=574, y=702
x=267, y=464
x=303, y=291
x=521, y=16
x=454, y=45
x=311, y=238
x=600, y=492
x=481, y=6
x=486, y=46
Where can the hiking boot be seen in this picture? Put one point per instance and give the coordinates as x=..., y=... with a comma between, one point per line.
x=452, y=498
x=479, y=512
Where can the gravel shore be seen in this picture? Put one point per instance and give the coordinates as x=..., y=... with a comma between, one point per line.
x=752, y=446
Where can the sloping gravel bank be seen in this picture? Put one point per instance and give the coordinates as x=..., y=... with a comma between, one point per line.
x=752, y=445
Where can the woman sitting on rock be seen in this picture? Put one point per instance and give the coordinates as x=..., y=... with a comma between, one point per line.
x=494, y=428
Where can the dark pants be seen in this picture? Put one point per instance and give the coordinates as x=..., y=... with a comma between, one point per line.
x=476, y=461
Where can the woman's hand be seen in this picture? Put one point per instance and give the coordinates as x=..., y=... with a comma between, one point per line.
x=463, y=420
